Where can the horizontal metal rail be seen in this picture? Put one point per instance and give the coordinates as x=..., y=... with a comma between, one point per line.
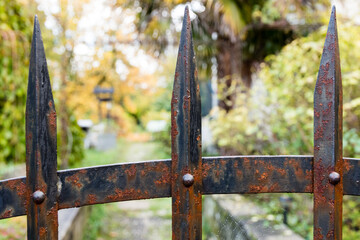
x=152, y=179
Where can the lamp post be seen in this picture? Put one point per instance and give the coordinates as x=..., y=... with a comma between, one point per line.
x=104, y=95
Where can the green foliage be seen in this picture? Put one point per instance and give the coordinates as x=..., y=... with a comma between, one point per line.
x=351, y=221
x=94, y=222
x=15, y=35
x=290, y=80
x=276, y=117
x=299, y=221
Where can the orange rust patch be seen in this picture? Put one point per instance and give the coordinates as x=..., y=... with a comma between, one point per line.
x=255, y=188
x=197, y=199
x=18, y=185
x=164, y=179
x=309, y=188
x=239, y=174
x=309, y=175
x=282, y=171
x=317, y=233
x=77, y=203
x=176, y=202
x=330, y=234
x=38, y=158
x=174, y=157
x=52, y=123
x=131, y=171
x=21, y=189
x=174, y=131
x=347, y=165
x=12, y=184
x=42, y=231
x=52, y=119
x=91, y=199
x=319, y=133
x=127, y=194
x=52, y=217
x=7, y=213
x=264, y=176
x=74, y=180
x=274, y=187
x=112, y=177
x=246, y=162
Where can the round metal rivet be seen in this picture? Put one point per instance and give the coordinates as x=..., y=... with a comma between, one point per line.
x=188, y=180
x=334, y=178
x=38, y=197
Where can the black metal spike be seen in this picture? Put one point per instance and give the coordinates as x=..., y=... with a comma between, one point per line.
x=41, y=162
x=186, y=141
x=328, y=161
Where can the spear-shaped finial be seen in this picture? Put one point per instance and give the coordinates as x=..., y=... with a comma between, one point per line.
x=328, y=160
x=186, y=141
x=41, y=160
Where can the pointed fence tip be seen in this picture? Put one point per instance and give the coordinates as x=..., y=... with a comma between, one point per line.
x=186, y=25
x=333, y=13
x=36, y=20
x=186, y=14
x=36, y=26
x=186, y=29
x=332, y=27
x=186, y=10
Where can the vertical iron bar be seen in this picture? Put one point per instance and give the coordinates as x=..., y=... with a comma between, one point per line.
x=41, y=162
x=328, y=162
x=186, y=142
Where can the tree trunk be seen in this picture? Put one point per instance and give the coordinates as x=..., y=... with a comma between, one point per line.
x=224, y=74
x=233, y=72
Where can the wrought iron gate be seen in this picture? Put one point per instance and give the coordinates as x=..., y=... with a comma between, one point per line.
x=187, y=176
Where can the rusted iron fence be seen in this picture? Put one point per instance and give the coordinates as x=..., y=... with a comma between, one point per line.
x=187, y=176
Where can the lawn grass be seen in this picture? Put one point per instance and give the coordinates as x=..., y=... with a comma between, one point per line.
x=140, y=219
x=125, y=151
x=13, y=228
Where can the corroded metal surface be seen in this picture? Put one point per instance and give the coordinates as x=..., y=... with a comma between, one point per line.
x=13, y=199
x=137, y=180
x=257, y=174
x=41, y=165
x=115, y=183
x=187, y=175
x=328, y=140
x=351, y=176
x=186, y=141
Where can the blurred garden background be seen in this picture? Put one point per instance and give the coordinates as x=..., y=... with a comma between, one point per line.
x=112, y=64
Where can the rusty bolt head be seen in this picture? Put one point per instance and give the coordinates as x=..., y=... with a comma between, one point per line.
x=38, y=197
x=334, y=178
x=188, y=180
